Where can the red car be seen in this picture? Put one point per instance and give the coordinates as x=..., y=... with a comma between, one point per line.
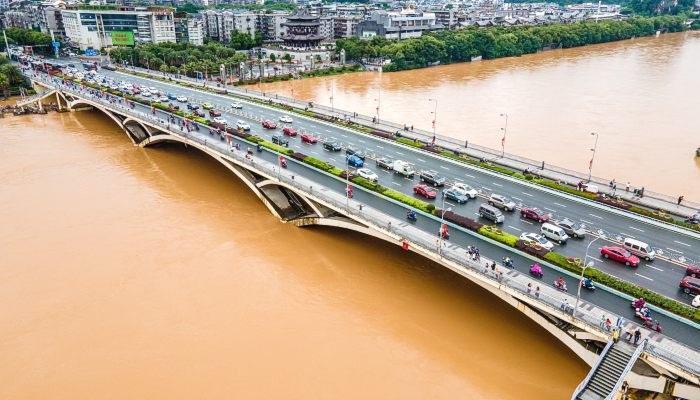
x=425, y=191
x=690, y=285
x=289, y=131
x=269, y=124
x=309, y=138
x=619, y=254
x=214, y=113
x=197, y=113
x=693, y=271
x=535, y=214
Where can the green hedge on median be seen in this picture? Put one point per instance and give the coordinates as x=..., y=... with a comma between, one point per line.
x=566, y=189
x=409, y=142
x=368, y=184
x=419, y=204
x=498, y=235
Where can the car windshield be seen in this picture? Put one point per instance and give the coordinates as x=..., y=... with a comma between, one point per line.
x=505, y=199
x=626, y=254
x=430, y=190
x=540, y=239
x=575, y=226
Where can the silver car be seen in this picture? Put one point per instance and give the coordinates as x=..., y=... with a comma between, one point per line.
x=573, y=229
x=502, y=202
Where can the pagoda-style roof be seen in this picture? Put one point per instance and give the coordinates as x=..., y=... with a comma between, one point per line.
x=302, y=15
x=301, y=37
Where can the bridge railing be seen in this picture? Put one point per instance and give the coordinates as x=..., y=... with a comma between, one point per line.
x=667, y=349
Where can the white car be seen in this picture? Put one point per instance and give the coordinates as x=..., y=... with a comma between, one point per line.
x=368, y=174
x=79, y=75
x=242, y=125
x=237, y=105
x=286, y=119
x=145, y=93
x=696, y=301
x=219, y=120
x=182, y=99
x=537, y=238
x=465, y=189
x=163, y=99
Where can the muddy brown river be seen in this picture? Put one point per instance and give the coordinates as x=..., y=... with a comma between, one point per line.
x=155, y=274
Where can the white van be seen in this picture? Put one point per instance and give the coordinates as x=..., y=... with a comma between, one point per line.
x=554, y=232
x=639, y=249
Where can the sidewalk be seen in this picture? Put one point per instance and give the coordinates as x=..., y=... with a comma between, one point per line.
x=651, y=200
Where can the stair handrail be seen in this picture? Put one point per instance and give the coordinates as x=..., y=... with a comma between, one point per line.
x=588, y=377
x=627, y=369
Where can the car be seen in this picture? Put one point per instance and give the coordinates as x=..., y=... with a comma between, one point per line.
x=192, y=106
x=696, y=302
x=308, y=138
x=146, y=93
x=537, y=239
x=619, y=254
x=501, y=202
x=425, y=191
x=172, y=96
x=352, y=152
x=173, y=107
x=432, y=178
x=207, y=106
x=534, y=213
x=573, y=229
x=355, y=161
x=181, y=99
x=286, y=119
x=456, y=195
x=280, y=140
x=690, y=285
x=219, y=120
x=385, y=163
x=332, y=146
x=367, y=174
x=163, y=99
x=237, y=106
x=289, y=131
x=214, y=113
x=242, y=125
x=267, y=124
x=465, y=189
x=198, y=113
x=136, y=91
x=693, y=271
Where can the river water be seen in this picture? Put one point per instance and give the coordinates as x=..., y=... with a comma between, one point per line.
x=639, y=95
x=132, y=273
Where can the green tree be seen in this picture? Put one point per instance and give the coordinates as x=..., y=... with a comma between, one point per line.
x=287, y=57
x=5, y=85
x=273, y=57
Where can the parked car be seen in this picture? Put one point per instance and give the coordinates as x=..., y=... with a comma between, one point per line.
x=573, y=229
x=502, y=202
x=242, y=125
x=385, y=163
x=162, y=99
x=214, y=113
x=456, y=195
x=198, y=113
x=172, y=96
x=537, y=239
x=181, y=99
x=237, y=106
x=696, y=302
x=207, y=106
x=535, y=214
x=690, y=285
x=432, y=178
x=286, y=119
x=350, y=151
x=355, y=161
x=693, y=271
x=332, y=146
x=425, y=191
x=466, y=189
x=368, y=174
x=619, y=254
x=308, y=138
x=219, y=120
x=267, y=124
x=192, y=106
x=280, y=140
x=289, y=131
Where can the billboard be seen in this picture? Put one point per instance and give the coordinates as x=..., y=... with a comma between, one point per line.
x=122, y=38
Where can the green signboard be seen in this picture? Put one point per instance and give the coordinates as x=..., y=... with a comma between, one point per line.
x=122, y=38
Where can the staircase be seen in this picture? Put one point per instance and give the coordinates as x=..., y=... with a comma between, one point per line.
x=607, y=375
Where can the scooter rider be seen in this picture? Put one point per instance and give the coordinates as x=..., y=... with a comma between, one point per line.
x=507, y=262
x=411, y=215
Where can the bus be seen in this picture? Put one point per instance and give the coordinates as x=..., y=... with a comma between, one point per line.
x=88, y=66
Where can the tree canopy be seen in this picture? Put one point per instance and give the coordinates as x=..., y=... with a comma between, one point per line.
x=29, y=37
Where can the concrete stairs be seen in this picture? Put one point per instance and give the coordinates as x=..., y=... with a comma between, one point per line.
x=606, y=376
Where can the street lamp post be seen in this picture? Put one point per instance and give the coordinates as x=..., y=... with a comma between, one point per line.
x=434, y=119
x=505, y=132
x=332, y=93
x=379, y=102
x=590, y=164
x=347, y=182
x=585, y=265
x=442, y=222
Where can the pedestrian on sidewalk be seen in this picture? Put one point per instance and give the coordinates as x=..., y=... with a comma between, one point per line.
x=680, y=200
x=627, y=187
x=493, y=266
x=641, y=192
x=616, y=335
x=529, y=288
x=630, y=334
x=537, y=292
x=637, y=336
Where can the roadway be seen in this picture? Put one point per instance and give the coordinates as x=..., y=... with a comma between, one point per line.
x=661, y=275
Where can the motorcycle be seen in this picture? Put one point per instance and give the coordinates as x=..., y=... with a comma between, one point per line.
x=411, y=216
x=559, y=286
x=259, y=148
x=283, y=164
x=638, y=303
x=507, y=262
x=536, y=270
x=349, y=192
x=587, y=284
x=644, y=315
x=211, y=131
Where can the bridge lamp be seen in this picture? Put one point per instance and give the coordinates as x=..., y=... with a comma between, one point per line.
x=505, y=132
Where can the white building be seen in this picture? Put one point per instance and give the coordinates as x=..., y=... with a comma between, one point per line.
x=408, y=23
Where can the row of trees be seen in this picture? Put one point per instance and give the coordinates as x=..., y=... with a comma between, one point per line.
x=659, y=7
x=462, y=45
x=29, y=37
x=9, y=77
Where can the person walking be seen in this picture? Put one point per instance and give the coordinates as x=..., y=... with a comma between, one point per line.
x=537, y=292
x=630, y=334
x=627, y=187
x=529, y=288
x=637, y=336
x=680, y=200
x=616, y=335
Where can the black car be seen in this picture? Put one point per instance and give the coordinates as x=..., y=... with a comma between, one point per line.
x=277, y=139
x=356, y=153
x=192, y=106
x=332, y=146
x=432, y=178
x=385, y=163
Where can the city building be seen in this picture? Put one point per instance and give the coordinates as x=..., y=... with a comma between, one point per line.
x=96, y=28
x=302, y=31
x=188, y=29
x=345, y=26
x=408, y=23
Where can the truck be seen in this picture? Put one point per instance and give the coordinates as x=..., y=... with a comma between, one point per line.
x=404, y=168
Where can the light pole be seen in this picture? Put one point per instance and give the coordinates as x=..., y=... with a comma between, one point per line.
x=585, y=265
x=434, y=119
x=590, y=164
x=442, y=223
x=379, y=102
x=505, y=132
x=347, y=182
x=332, y=92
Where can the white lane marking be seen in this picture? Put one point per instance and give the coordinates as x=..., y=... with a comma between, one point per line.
x=398, y=152
x=444, y=167
x=381, y=147
x=549, y=209
x=471, y=176
x=487, y=188
x=674, y=250
x=636, y=229
x=361, y=141
x=627, y=235
x=420, y=159
x=527, y=222
x=395, y=183
x=596, y=216
x=514, y=228
x=497, y=184
x=453, y=205
x=642, y=276
x=526, y=194
x=517, y=198
x=656, y=268
x=560, y=205
x=587, y=222
x=684, y=244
